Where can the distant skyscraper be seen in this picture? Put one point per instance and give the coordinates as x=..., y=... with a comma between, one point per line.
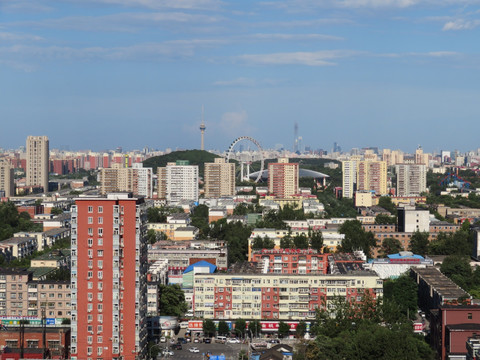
x=108, y=285
x=283, y=178
x=219, y=179
x=7, y=184
x=178, y=181
x=37, y=161
x=202, y=131
x=411, y=179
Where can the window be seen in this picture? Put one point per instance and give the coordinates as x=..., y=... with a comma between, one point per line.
x=90, y=242
x=90, y=209
x=100, y=209
x=470, y=316
x=99, y=350
x=100, y=274
x=32, y=344
x=100, y=220
x=100, y=253
x=100, y=231
x=100, y=286
x=90, y=220
x=90, y=253
x=90, y=285
x=100, y=242
x=90, y=231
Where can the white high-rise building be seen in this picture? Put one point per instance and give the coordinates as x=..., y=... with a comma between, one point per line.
x=349, y=179
x=411, y=179
x=178, y=181
x=37, y=161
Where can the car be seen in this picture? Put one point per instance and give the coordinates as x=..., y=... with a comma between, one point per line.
x=233, y=341
x=194, y=350
x=163, y=339
x=181, y=340
x=274, y=341
x=196, y=340
x=207, y=340
x=177, y=346
x=167, y=353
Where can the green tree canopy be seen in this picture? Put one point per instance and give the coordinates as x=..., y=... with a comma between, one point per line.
x=356, y=238
x=240, y=327
x=223, y=328
x=316, y=240
x=301, y=329
x=283, y=329
x=209, y=328
x=390, y=246
x=172, y=300
x=419, y=243
x=384, y=219
x=403, y=291
x=386, y=203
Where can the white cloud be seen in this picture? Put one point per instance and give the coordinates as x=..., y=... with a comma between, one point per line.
x=8, y=36
x=295, y=37
x=316, y=58
x=461, y=24
x=234, y=123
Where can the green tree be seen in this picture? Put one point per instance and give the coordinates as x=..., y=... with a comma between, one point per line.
x=283, y=329
x=300, y=241
x=316, y=240
x=402, y=291
x=458, y=269
x=255, y=327
x=56, y=211
x=152, y=236
x=240, y=327
x=356, y=238
x=386, y=203
x=223, y=328
x=257, y=243
x=390, y=246
x=209, y=328
x=153, y=215
x=172, y=300
x=301, y=329
x=419, y=243
x=384, y=219
x=268, y=243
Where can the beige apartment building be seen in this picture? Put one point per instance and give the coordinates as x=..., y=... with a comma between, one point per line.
x=178, y=181
x=219, y=179
x=137, y=179
x=38, y=161
x=372, y=176
x=7, y=184
x=21, y=296
x=411, y=179
x=283, y=178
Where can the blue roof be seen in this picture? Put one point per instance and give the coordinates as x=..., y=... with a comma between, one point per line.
x=405, y=256
x=202, y=263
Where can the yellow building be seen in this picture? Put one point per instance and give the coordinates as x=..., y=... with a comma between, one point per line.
x=372, y=176
x=219, y=179
x=277, y=296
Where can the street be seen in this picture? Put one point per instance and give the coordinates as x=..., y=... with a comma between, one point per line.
x=230, y=351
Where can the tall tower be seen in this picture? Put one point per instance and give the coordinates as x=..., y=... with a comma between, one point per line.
x=202, y=131
x=109, y=285
x=295, y=138
x=37, y=161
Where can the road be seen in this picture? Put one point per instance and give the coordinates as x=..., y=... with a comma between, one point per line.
x=230, y=351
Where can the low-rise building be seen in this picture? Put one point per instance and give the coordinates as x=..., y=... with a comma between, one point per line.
x=290, y=261
x=21, y=246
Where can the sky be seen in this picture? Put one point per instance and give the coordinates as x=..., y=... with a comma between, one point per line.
x=97, y=74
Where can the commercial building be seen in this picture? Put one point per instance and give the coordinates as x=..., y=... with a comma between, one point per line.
x=219, y=179
x=137, y=179
x=37, y=161
x=256, y=295
x=372, y=176
x=178, y=182
x=7, y=184
x=411, y=179
x=283, y=177
x=109, y=286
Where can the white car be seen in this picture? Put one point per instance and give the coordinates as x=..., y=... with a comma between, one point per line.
x=163, y=339
x=168, y=353
x=233, y=341
x=194, y=349
x=184, y=325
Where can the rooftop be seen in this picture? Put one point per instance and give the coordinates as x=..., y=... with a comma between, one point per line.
x=442, y=284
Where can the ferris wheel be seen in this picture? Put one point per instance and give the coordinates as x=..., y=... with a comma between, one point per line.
x=230, y=152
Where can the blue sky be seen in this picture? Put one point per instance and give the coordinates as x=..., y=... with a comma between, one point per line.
x=97, y=74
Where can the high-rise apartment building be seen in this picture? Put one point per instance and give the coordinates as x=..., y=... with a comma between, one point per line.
x=7, y=184
x=411, y=179
x=372, y=176
x=349, y=178
x=283, y=177
x=219, y=179
x=178, y=181
x=37, y=161
x=420, y=157
x=136, y=179
x=108, y=286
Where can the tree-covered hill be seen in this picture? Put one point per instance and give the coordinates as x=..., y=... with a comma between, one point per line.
x=195, y=157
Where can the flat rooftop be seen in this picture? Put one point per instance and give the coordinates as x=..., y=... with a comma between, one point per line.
x=442, y=284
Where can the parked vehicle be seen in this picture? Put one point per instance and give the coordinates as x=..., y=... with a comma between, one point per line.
x=233, y=341
x=181, y=340
x=163, y=339
x=177, y=346
x=220, y=339
x=207, y=340
x=194, y=350
x=184, y=325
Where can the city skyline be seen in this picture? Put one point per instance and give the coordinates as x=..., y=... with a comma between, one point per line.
x=138, y=72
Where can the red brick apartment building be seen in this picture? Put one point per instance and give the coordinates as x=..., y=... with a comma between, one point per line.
x=291, y=261
x=109, y=266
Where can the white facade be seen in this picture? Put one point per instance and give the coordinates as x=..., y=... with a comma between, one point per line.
x=144, y=180
x=411, y=219
x=181, y=183
x=411, y=179
x=349, y=172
